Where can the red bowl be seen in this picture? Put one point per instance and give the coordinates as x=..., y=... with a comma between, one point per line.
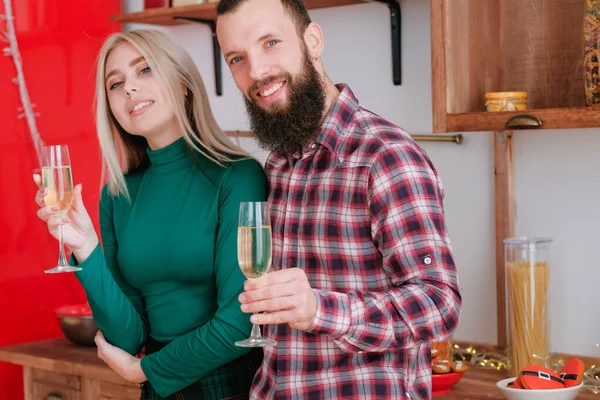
x=79, y=310
x=443, y=383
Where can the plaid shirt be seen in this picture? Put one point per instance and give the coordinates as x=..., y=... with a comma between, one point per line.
x=361, y=213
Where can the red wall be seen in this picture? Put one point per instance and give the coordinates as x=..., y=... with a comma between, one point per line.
x=59, y=41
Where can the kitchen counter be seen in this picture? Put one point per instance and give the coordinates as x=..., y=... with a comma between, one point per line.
x=480, y=383
x=57, y=366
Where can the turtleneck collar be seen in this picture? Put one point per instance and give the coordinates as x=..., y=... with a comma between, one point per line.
x=172, y=158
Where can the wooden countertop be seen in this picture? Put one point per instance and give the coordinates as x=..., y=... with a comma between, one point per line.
x=480, y=383
x=60, y=355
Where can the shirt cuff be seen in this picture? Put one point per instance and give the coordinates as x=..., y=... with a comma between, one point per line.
x=333, y=316
x=90, y=265
x=164, y=386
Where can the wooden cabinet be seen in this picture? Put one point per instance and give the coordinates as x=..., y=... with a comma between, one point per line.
x=481, y=46
x=58, y=370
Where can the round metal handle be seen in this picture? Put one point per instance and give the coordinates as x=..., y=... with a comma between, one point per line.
x=55, y=396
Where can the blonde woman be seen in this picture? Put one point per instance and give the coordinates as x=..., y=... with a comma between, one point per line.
x=166, y=276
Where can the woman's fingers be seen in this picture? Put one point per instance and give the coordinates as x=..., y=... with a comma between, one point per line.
x=45, y=213
x=54, y=222
x=39, y=195
x=37, y=179
x=77, y=205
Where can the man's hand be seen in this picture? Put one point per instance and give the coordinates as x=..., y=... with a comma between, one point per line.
x=283, y=296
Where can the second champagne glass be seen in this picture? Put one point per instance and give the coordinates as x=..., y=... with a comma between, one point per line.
x=58, y=182
x=254, y=255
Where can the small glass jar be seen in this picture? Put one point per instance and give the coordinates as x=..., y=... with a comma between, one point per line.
x=527, y=294
x=506, y=101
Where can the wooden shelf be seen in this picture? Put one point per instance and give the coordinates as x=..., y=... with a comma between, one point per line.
x=552, y=118
x=207, y=11
x=480, y=46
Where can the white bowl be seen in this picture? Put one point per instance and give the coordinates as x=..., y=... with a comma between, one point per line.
x=528, y=394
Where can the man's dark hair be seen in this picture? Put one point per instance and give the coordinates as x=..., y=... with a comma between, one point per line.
x=295, y=9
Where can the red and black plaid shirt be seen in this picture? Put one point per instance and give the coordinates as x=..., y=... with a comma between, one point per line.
x=361, y=212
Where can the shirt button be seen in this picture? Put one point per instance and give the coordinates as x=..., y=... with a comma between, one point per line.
x=427, y=260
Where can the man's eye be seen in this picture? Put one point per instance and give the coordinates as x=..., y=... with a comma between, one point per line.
x=271, y=43
x=235, y=60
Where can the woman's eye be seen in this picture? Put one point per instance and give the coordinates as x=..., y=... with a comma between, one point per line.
x=145, y=70
x=115, y=85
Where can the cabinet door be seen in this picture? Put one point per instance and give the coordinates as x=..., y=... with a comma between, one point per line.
x=111, y=391
x=44, y=391
x=56, y=379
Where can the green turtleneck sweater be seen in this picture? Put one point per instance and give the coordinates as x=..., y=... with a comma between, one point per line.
x=168, y=264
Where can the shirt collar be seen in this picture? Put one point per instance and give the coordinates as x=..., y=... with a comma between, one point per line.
x=333, y=130
x=171, y=158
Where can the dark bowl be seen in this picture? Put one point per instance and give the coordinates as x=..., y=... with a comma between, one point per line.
x=77, y=324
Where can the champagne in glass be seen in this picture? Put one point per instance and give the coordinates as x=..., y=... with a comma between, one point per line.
x=254, y=250
x=53, y=179
x=254, y=255
x=58, y=182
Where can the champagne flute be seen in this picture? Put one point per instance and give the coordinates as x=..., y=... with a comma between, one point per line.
x=58, y=182
x=254, y=255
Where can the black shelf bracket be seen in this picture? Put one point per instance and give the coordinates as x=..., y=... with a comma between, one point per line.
x=216, y=49
x=396, y=30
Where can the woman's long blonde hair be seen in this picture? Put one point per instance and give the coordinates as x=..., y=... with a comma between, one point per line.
x=175, y=70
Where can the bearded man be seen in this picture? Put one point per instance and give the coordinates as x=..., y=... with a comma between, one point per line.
x=363, y=275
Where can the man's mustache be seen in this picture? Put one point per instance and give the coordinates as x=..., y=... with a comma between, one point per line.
x=264, y=82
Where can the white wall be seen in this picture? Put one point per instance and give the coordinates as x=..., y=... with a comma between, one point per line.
x=557, y=188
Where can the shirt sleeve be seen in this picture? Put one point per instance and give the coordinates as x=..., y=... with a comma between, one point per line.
x=408, y=228
x=117, y=307
x=192, y=356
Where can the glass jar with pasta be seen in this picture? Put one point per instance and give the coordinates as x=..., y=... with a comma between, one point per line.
x=527, y=294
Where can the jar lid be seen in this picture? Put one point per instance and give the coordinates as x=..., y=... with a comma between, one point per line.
x=526, y=241
x=505, y=95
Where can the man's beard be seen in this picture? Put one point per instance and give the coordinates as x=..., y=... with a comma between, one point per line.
x=287, y=130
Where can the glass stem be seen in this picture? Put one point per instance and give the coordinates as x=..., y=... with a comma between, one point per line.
x=62, y=260
x=256, y=332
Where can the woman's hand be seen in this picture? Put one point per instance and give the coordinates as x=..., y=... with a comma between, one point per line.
x=123, y=363
x=78, y=230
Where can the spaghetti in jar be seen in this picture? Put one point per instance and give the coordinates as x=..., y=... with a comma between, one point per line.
x=527, y=291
